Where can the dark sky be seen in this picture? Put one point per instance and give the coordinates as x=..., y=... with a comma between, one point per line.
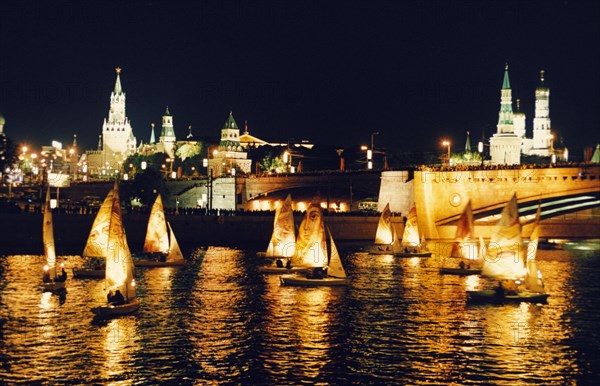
x=332, y=72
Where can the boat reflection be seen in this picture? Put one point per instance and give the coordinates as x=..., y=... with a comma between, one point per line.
x=120, y=345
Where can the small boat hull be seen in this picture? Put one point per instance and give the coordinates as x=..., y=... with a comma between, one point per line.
x=86, y=273
x=299, y=281
x=284, y=270
x=490, y=296
x=54, y=286
x=111, y=311
x=459, y=271
x=151, y=263
x=380, y=249
x=413, y=254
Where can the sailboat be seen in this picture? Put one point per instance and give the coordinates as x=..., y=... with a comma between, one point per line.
x=119, y=266
x=283, y=241
x=510, y=265
x=463, y=248
x=160, y=244
x=413, y=243
x=386, y=238
x=96, y=247
x=52, y=282
x=336, y=275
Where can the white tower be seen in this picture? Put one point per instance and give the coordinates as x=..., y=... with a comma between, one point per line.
x=542, y=137
x=519, y=121
x=505, y=145
x=167, y=135
x=117, y=134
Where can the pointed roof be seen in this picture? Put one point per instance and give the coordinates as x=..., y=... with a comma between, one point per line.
x=230, y=124
x=190, y=135
x=596, y=157
x=542, y=86
x=167, y=111
x=468, y=144
x=74, y=140
x=152, y=138
x=506, y=82
x=518, y=112
x=118, y=88
x=100, y=142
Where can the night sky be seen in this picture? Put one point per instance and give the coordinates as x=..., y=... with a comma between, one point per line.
x=330, y=72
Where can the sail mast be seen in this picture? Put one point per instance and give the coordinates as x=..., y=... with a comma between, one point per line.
x=157, y=238
x=505, y=250
x=385, y=231
x=48, y=237
x=174, y=250
x=283, y=239
x=335, y=267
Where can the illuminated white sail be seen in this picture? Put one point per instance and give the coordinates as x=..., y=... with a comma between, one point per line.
x=119, y=265
x=174, y=250
x=386, y=233
x=157, y=238
x=48, y=238
x=463, y=247
x=410, y=237
x=534, y=281
x=311, y=245
x=283, y=239
x=504, y=255
x=97, y=242
x=335, y=267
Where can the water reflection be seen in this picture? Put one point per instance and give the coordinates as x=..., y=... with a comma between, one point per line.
x=218, y=320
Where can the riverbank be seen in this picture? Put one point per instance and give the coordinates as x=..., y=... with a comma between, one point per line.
x=22, y=233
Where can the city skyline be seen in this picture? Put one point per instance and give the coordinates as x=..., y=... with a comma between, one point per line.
x=416, y=73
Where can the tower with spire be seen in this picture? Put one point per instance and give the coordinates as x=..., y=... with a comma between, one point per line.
x=118, y=140
x=230, y=153
x=542, y=137
x=167, y=135
x=505, y=145
x=152, y=138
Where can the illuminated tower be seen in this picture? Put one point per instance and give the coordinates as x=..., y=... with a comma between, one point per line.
x=167, y=135
x=505, y=145
x=152, y=139
x=118, y=140
x=542, y=137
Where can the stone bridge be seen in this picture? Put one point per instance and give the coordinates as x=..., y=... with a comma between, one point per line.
x=440, y=196
x=355, y=185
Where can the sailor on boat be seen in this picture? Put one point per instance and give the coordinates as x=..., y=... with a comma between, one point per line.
x=117, y=299
x=46, y=277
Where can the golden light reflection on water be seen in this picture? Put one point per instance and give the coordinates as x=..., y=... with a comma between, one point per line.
x=398, y=321
x=119, y=337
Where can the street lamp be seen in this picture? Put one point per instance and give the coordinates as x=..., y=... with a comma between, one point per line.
x=447, y=143
x=372, y=143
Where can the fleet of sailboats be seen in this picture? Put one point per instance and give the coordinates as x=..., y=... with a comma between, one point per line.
x=119, y=266
x=508, y=262
x=464, y=248
x=161, y=248
x=505, y=259
x=51, y=281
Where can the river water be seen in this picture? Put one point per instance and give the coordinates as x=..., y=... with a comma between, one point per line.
x=220, y=321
